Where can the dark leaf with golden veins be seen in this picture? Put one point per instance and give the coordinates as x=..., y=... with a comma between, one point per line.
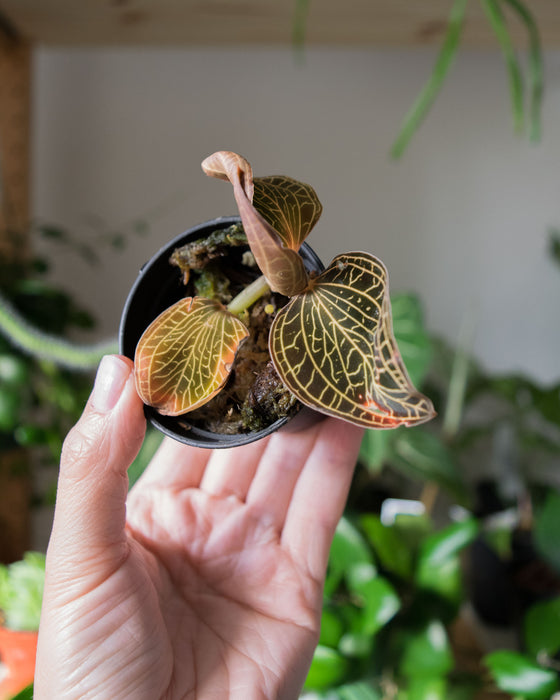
x=333, y=347
x=185, y=356
x=291, y=207
x=275, y=251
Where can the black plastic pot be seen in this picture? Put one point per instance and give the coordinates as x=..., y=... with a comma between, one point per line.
x=157, y=287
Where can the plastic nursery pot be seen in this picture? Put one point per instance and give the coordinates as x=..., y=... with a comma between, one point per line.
x=17, y=661
x=157, y=287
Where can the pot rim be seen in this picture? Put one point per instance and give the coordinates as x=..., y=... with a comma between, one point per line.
x=177, y=427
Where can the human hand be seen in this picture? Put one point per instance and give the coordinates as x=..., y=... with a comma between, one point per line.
x=207, y=583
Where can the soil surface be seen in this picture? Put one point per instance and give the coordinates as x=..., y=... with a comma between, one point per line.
x=219, y=267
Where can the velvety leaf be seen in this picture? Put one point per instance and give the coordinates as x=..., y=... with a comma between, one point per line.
x=516, y=674
x=327, y=669
x=427, y=653
x=542, y=628
x=333, y=346
x=282, y=266
x=291, y=207
x=185, y=356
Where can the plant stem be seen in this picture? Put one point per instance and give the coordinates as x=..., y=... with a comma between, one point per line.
x=459, y=377
x=498, y=23
x=248, y=296
x=432, y=88
x=535, y=67
x=48, y=347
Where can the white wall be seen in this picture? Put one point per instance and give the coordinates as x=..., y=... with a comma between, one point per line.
x=462, y=219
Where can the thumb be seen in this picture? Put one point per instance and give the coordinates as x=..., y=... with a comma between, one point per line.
x=89, y=526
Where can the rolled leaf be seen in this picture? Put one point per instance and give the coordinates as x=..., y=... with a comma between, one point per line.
x=280, y=264
x=185, y=356
x=333, y=347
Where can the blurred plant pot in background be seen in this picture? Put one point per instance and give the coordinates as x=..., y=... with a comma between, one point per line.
x=17, y=661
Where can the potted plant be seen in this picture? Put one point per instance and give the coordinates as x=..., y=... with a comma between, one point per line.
x=329, y=341
x=21, y=594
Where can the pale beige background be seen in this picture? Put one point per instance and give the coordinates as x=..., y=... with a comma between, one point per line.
x=462, y=219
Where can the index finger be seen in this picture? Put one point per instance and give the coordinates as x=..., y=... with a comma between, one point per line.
x=320, y=495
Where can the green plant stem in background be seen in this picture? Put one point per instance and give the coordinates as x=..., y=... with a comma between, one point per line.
x=47, y=347
x=459, y=377
x=430, y=91
x=446, y=56
x=535, y=67
x=498, y=22
x=299, y=28
x=248, y=296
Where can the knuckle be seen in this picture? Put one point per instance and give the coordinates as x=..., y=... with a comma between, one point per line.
x=83, y=444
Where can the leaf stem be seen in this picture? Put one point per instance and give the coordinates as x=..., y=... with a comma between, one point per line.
x=248, y=296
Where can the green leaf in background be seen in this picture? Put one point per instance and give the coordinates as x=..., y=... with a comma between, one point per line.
x=439, y=567
x=357, y=645
x=542, y=628
x=151, y=443
x=441, y=545
x=554, y=245
x=391, y=549
x=411, y=334
x=445, y=579
x=21, y=592
x=357, y=691
x=328, y=668
x=427, y=689
x=516, y=674
x=348, y=549
x=424, y=456
x=547, y=527
x=25, y=694
x=376, y=447
x=378, y=598
x=332, y=629
x=427, y=653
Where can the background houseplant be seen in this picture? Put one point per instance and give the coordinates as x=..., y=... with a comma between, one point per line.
x=427, y=150
x=21, y=592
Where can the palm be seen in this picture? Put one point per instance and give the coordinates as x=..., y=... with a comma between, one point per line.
x=235, y=594
x=219, y=593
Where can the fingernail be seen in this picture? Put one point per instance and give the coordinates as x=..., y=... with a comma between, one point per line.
x=111, y=377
